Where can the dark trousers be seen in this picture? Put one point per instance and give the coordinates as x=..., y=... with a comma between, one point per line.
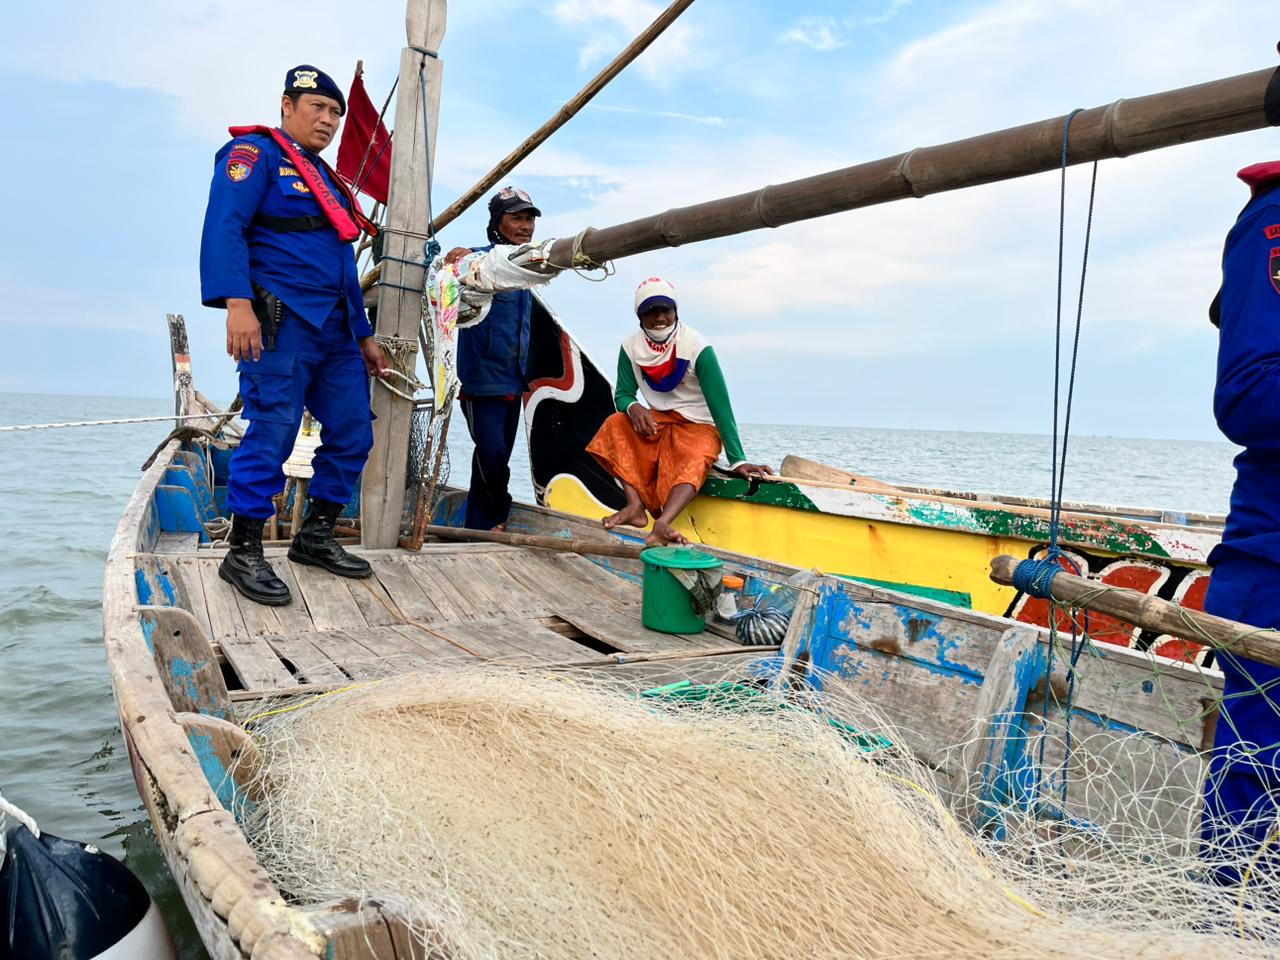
x=492, y=422
x=1242, y=790
x=321, y=369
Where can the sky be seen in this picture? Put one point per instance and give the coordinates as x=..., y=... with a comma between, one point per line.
x=936, y=313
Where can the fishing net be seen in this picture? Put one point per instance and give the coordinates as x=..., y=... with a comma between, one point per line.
x=539, y=814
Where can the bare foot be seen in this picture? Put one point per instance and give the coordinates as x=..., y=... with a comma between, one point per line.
x=500, y=528
x=663, y=534
x=632, y=515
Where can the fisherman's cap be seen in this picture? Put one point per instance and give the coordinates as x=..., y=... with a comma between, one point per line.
x=307, y=79
x=655, y=292
x=510, y=200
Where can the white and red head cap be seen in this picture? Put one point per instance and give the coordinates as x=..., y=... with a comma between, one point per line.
x=655, y=292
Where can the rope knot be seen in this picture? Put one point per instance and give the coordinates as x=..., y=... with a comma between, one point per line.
x=1035, y=577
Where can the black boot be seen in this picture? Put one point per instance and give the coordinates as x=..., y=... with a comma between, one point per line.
x=247, y=570
x=315, y=545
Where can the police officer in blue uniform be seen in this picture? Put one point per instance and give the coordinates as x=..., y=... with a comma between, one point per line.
x=1242, y=791
x=276, y=253
x=491, y=369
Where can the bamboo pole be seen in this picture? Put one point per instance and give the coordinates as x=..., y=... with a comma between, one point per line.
x=1214, y=109
x=558, y=120
x=599, y=547
x=1152, y=613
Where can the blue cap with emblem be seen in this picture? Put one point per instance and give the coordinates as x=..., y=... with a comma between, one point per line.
x=307, y=79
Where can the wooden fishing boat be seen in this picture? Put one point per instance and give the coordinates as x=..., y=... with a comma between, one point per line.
x=189, y=658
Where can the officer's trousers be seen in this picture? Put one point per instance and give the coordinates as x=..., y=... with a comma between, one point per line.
x=1242, y=790
x=492, y=422
x=322, y=370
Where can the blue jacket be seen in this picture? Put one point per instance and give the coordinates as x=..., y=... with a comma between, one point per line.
x=493, y=354
x=1246, y=400
x=312, y=271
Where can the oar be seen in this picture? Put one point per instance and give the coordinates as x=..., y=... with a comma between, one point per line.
x=594, y=546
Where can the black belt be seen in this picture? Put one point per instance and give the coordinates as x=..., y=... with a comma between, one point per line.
x=290, y=224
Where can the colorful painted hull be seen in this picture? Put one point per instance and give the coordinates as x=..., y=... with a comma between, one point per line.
x=935, y=547
x=928, y=543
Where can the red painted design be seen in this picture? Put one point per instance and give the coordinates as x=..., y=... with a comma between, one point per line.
x=1153, y=578
x=565, y=380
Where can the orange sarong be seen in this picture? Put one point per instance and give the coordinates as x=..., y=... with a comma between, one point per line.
x=680, y=452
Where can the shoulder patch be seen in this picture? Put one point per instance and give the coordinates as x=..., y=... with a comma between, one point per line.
x=1272, y=231
x=241, y=159
x=1273, y=268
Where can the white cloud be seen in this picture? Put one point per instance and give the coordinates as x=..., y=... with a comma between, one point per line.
x=709, y=121
x=818, y=33
x=668, y=56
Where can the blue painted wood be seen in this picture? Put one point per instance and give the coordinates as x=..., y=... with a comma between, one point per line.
x=177, y=509
x=189, y=470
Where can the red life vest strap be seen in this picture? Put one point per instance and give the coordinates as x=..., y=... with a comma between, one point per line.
x=348, y=222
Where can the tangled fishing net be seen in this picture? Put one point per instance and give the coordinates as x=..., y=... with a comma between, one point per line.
x=537, y=814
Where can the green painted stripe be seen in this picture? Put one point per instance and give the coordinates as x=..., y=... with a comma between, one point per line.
x=769, y=494
x=953, y=597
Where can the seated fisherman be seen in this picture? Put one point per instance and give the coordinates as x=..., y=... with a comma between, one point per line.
x=661, y=452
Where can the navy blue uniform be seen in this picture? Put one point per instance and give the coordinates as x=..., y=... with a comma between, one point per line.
x=1243, y=785
x=491, y=370
x=316, y=361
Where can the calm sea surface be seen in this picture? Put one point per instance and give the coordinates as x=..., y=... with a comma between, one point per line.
x=62, y=492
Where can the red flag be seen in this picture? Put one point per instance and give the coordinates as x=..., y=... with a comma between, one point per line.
x=364, y=154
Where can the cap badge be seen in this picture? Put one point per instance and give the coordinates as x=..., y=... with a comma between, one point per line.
x=305, y=79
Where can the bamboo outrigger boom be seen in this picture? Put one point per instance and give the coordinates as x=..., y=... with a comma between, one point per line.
x=1152, y=613
x=1214, y=109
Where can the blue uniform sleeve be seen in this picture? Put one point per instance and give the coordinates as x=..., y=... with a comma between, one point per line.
x=355, y=300
x=1246, y=401
x=241, y=175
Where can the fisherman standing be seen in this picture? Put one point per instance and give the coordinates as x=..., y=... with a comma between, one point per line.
x=491, y=369
x=276, y=253
x=1242, y=791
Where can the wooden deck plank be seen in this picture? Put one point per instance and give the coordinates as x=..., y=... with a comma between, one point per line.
x=520, y=600
x=502, y=596
x=544, y=644
x=404, y=591
x=258, y=618
x=294, y=617
x=584, y=571
x=436, y=646
x=312, y=664
x=479, y=637
x=190, y=590
x=452, y=602
x=253, y=660
x=355, y=658
x=555, y=591
x=622, y=629
x=330, y=604
x=470, y=586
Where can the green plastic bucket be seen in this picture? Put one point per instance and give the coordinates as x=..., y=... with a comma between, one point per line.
x=667, y=605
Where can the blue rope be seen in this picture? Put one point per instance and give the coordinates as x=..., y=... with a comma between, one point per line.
x=1037, y=575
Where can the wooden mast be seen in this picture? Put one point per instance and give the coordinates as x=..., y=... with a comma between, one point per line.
x=1214, y=109
x=399, y=310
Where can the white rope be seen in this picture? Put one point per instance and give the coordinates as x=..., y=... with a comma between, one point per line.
x=103, y=423
x=414, y=383
x=8, y=809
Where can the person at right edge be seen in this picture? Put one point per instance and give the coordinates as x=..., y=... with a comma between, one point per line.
x=491, y=369
x=1242, y=789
